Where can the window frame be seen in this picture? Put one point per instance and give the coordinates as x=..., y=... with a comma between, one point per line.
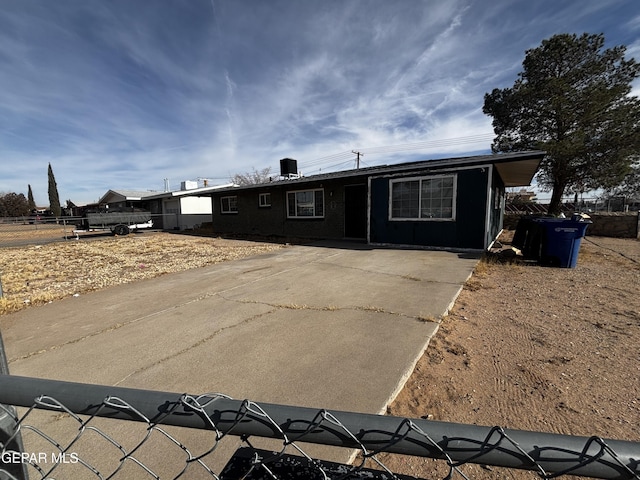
x=420, y=180
x=262, y=196
x=230, y=210
x=315, y=206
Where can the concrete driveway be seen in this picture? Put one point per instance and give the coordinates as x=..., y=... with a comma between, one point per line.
x=335, y=326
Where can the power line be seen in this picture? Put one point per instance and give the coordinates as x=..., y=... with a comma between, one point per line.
x=345, y=158
x=347, y=163
x=406, y=147
x=449, y=142
x=328, y=158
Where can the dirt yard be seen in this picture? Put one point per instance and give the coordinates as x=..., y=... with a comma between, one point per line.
x=525, y=347
x=535, y=348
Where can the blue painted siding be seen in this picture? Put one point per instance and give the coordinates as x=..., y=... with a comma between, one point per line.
x=466, y=231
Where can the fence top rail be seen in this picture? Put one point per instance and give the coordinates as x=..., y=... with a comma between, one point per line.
x=457, y=443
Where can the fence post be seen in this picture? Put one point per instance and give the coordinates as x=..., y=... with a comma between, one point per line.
x=8, y=428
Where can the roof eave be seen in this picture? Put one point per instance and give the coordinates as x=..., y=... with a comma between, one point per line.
x=518, y=167
x=519, y=173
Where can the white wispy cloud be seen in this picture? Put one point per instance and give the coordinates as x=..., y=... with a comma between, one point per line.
x=124, y=94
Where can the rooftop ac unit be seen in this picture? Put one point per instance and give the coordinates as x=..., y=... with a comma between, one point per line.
x=288, y=167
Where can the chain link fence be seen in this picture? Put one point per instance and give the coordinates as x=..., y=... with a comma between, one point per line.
x=23, y=231
x=19, y=231
x=88, y=431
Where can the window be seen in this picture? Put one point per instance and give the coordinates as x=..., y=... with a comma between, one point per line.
x=229, y=204
x=426, y=198
x=305, y=204
x=264, y=200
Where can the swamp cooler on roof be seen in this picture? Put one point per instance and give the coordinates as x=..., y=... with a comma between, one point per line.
x=288, y=167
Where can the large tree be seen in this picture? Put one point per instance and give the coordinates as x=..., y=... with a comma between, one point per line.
x=572, y=100
x=13, y=205
x=54, y=198
x=630, y=186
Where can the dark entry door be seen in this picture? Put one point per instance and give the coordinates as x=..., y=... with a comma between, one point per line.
x=355, y=211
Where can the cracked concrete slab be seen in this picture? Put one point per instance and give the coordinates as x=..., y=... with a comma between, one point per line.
x=337, y=326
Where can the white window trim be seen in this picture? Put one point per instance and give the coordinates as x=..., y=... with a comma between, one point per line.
x=261, y=196
x=420, y=178
x=228, y=211
x=307, y=217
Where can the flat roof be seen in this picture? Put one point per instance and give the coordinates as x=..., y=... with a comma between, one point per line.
x=515, y=169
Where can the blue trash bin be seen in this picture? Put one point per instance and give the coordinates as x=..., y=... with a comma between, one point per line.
x=561, y=240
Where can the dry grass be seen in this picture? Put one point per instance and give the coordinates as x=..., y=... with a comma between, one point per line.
x=483, y=268
x=494, y=261
x=35, y=275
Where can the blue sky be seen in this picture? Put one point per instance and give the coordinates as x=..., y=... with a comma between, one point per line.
x=122, y=94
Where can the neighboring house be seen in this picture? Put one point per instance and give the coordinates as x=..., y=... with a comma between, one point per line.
x=454, y=203
x=130, y=199
x=177, y=210
x=186, y=208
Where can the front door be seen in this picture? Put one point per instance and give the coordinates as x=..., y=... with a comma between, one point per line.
x=171, y=213
x=355, y=211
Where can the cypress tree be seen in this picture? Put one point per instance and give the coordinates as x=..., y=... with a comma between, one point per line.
x=54, y=198
x=32, y=202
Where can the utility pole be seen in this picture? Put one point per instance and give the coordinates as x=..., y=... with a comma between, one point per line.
x=358, y=155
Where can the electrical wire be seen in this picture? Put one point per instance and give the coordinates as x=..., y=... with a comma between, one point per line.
x=406, y=147
x=346, y=158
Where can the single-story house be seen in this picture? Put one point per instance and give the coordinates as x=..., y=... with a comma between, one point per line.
x=173, y=210
x=453, y=203
x=130, y=199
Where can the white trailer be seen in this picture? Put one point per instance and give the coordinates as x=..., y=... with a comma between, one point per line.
x=119, y=222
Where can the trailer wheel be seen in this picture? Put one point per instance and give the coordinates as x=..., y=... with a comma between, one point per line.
x=121, y=230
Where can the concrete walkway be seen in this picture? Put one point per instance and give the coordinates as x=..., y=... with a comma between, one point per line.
x=335, y=326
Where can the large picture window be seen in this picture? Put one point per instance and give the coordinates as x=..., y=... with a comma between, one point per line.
x=424, y=198
x=229, y=204
x=305, y=204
